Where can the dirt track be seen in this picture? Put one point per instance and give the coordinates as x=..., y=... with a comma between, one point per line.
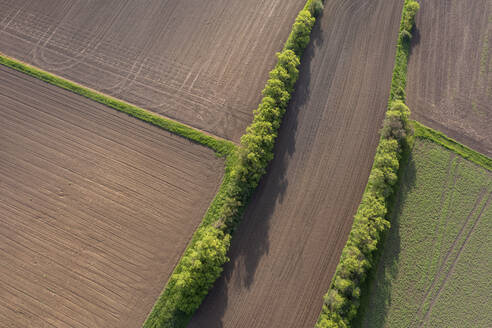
x=450, y=70
x=289, y=242
x=95, y=208
x=203, y=63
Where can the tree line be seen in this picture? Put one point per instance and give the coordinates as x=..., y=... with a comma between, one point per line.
x=203, y=260
x=341, y=302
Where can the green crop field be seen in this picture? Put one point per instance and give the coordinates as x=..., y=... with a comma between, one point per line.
x=435, y=267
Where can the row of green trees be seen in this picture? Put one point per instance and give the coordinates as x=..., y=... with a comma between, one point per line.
x=341, y=302
x=202, y=262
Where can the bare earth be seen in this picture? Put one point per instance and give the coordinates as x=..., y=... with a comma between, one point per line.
x=289, y=242
x=95, y=208
x=203, y=63
x=450, y=70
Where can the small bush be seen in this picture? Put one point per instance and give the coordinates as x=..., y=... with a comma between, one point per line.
x=316, y=7
x=301, y=32
x=198, y=269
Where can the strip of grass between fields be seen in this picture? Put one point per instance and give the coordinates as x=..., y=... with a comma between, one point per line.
x=220, y=146
x=424, y=132
x=341, y=302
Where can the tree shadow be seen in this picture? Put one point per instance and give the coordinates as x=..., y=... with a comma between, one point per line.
x=415, y=41
x=272, y=187
x=251, y=239
x=377, y=290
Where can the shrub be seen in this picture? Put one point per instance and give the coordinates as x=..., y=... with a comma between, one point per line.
x=316, y=7
x=198, y=269
x=301, y=31
x=410, y=9
x=396, y=124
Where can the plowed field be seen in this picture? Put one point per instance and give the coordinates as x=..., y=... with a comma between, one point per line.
x=285, y=251
x=450, y=70
x=95, y=208
x=203, y=63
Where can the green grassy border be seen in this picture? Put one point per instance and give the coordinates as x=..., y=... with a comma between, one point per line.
x=424, y=132
x=220, y=146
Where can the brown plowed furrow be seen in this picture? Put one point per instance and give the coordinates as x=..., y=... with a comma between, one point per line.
x=285, y=251
x=95, y=208
x=450, y=70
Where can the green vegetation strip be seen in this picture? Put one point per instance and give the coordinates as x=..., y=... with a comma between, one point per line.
x=424, y=132
x=221, y=147
x=434, y=269
x=203, y=260
x=341, y=302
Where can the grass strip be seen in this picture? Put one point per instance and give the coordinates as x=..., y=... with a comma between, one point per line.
x=424, y=132
x=341, y=302
x=220, y=146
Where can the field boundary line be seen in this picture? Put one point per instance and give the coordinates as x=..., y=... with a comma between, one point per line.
x=425, y=132
x=221, y=146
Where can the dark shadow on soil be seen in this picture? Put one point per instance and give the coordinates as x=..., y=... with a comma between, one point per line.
x=415, y=39
x=376, y=291
x=273, y=185
x=250, y=241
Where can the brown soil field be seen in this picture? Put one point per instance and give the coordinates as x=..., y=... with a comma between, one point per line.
x=450, y=70
x=95, y=208
x=203, y=63
x=288, y=244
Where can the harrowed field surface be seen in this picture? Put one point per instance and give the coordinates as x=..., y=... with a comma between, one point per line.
x=96, y=208
x=450, y=70
x=203, y=63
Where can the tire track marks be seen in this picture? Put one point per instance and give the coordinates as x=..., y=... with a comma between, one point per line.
x=181, y=59
x=441, y=281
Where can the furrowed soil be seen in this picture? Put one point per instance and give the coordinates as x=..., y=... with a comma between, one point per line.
x=95, y=208
x=450, y=70
x=203, y=63
x=288, y=245
x=434, y=269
